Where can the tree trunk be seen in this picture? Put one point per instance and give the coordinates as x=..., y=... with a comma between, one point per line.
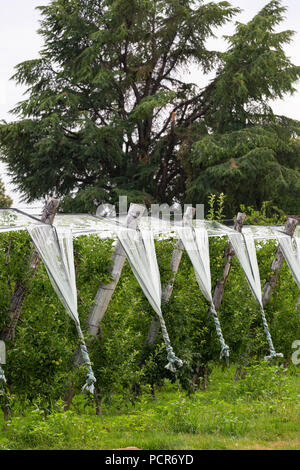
x=168, y=289
x=277, y=262
x=20, y=291
x=228, y=255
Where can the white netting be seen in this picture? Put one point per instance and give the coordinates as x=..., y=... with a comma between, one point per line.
x=140, y=251
x=13, y=220
x=245, y=251
x=195, y=242
x=105, y=227
x=56, y=251
x=291, y=250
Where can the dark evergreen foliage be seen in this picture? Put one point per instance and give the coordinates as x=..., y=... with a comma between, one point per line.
x=109, y=110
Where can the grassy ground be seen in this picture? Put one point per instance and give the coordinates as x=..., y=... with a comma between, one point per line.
x=261, y=411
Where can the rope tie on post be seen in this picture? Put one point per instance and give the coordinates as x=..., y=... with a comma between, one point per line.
x=224, y=348
x=273, y=353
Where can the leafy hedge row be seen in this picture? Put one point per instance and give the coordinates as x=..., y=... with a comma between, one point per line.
x=39, y=361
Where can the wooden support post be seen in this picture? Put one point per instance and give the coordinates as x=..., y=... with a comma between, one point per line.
x=228, y=255
x=105, y=291
x=168, y=289
x=277, y=262
x=176, y=258
x=20, y=291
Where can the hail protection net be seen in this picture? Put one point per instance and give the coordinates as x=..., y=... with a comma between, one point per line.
x=291, y=250
x=245, y=251
x=86, y=224
x=56, y=251
x=140, y=251
x=15, y=220
x=195, y=242
x=244, y=247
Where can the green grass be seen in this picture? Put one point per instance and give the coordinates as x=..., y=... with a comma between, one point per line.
x=260, y=412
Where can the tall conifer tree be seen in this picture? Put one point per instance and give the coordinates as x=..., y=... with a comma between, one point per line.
x=110, y=111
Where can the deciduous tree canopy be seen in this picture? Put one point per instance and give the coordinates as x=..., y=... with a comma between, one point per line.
x=110, y=109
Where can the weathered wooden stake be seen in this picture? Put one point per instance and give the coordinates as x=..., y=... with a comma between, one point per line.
x=105, y=291
x=228, y=255
x=176, y=258
x=271, y=283
x=277, y=262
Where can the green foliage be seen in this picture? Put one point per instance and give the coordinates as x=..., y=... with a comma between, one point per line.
x=46, y=338
x=94, y=119
x=255, y=69
x=215, y=419
x=216, y=213
x=268, y=214
x=108, y=113
x=263, y=381
x=249, y=165
x=260, y=381
x=39, y=361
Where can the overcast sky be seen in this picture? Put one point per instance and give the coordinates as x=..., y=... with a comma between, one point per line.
x=19, y=41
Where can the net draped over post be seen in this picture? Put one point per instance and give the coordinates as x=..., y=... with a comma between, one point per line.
x=291, y=252
x=140, y=250
x=56, y=251
x=245, y=251
x=195, y=241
